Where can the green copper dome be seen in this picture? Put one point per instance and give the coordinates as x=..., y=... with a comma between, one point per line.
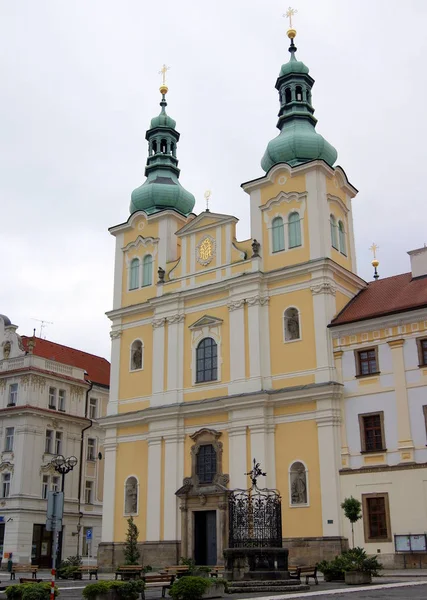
x=162, y=190
x=298, y=142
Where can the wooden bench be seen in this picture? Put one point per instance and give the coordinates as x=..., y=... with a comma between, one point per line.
x=307, y=572
x=24, y=569
x=163, y=581
x=89, y=569
x=26, y=580
x=176, y=570
x=130, y=571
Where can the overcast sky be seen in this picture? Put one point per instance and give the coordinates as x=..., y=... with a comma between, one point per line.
x=80, y=85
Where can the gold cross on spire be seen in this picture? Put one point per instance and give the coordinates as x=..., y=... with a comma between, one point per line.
x=208, y=194
x=374, y=249
x=289, y=14
x=162, y=72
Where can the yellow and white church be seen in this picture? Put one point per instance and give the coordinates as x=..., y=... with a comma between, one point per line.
x=221, y=351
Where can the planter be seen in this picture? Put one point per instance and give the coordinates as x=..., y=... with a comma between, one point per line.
x=333, y=577
x=357, y=577
x=215, y=590
x=110, y=595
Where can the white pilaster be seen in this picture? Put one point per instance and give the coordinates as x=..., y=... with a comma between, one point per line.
x=113, y=401
x=237, y=346
x=110, y=455
x=237, y=453
x=154, y=489
x=174, y=450
x=219, y=257
x=323, y=308
x=328, y=432
x=256, y=216
x=175, y=357
x=318, y=214
x=184, y=256
x=158, y=354
x=118, y=271
x=259, y=343
x=163, y=241
x=350, y=237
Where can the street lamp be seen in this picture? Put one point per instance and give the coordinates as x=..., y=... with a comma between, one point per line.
x=63, y=466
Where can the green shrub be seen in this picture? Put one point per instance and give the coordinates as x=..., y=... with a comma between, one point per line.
x=189, y=588
x=126, y=590
x=29, y=591
x=355, y=559
x=68, y=567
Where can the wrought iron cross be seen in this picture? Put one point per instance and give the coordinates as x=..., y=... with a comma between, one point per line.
x=255, y=473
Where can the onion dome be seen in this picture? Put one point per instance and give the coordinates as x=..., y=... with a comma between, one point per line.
x=162, y=190
x=298, y=142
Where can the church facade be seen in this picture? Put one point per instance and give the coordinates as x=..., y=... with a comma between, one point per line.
x=221, y=351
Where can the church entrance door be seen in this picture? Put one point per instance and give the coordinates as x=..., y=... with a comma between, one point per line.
x=205, y=537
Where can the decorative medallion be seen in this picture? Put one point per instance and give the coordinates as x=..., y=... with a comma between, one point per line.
x=205, y=250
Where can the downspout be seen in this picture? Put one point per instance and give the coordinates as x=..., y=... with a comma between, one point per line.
x=81, y=466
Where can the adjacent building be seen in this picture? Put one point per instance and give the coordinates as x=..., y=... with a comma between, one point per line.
x=51, y=397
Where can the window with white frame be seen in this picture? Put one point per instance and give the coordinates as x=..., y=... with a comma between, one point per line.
x=134, y=274
x=48, y=442
x=298, y=484
x=91, y=449
x=93, y=408
x=61, y=400
x=5, y=485
x=294, y=229
x=58, y=442
x=136, y=355
x=13, y=394
x=52, y=398
x=291, y=323
x=147, y=270
x=89, y=492
x=50, y=484
x=206, y=360
x=45, y=486
x=277, y=234
x=8, y=440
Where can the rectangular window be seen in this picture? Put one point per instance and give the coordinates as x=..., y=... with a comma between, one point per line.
x=61, y=400
x=376, y=517
x=422, y=352
x=45, y=486
x=48, y=443
x=5, y=485
x=55, y=484
x=58, y=442
x=372, y=432
x=13, y=394
x=93, y=408
x=367, y=362
x=8, y=440
x=91, y=449
x=89, y=492
x=85, y=546
x=52, y=398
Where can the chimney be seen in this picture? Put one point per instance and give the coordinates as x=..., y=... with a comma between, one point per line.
x=418, y=262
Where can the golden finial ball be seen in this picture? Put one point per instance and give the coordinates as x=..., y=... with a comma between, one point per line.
x=163, y=89
x=291, y=33
x=375, y=263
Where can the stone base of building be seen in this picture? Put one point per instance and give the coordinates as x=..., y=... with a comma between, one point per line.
x=403, y=561
x=157, y=554
x=311, y=550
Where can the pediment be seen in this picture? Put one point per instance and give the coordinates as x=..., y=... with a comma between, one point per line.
x=206, y=321
x=205, y=220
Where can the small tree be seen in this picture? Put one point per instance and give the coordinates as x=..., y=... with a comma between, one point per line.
x=353, y=511
x=131, y=551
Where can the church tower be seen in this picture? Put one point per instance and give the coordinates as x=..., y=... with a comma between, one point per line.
x=221, y=351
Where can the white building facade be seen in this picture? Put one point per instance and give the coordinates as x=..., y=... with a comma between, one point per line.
x=49, y=406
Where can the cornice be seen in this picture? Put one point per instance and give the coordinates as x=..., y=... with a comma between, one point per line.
x=380, y=322
x=128, y=225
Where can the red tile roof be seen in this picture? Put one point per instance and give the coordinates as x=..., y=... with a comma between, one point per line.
x=383, y=297
x=98, y=369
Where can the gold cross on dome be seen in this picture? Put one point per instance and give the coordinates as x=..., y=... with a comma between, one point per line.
x=162, y=72
x=208, y=195
x=374, y=249
x=289, y=14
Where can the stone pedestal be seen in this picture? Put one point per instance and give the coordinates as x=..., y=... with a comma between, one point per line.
x=256, y=564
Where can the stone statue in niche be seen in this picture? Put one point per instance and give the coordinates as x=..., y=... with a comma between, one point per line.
x=137, y=355
x=298, y=484
x=255, y=249
x=131, y=498
x=292, y=331
x=6, y=349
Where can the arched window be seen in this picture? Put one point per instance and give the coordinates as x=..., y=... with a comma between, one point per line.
x=341, y=233
x=334, y=240
x=206, y=360
x=136, y=355
x=278, y=233
x=298, y=483
x=163, y=147
x=131, y=496
x=147, y=270
x=298, y=93
x=154, y=146
x=288, y=95
x=206, y=463
x=292, y=324
x=294, y=224
x=134, y=274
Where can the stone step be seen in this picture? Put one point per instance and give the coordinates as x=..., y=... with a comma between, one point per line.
x=260, y=582
x=266, y=588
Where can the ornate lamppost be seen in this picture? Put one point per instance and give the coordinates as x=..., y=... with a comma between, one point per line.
x=63, y=466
